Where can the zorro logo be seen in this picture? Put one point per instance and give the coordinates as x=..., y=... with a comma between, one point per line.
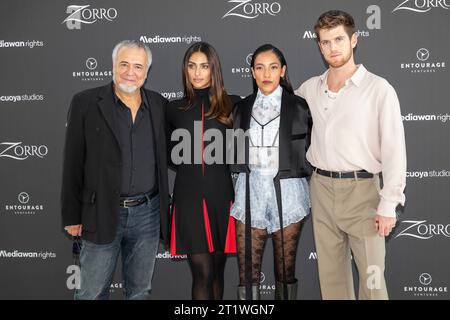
x=422, y=6
x=424, y=231
x=248, y=10
x=16, y=151
x=81, y=14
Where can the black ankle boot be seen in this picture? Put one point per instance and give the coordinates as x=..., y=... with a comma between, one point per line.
x=291, y=291
x=255, y=292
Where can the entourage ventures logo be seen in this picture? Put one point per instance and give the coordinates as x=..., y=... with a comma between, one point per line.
x=423, y=64
x=79, y=15
x=422, y=6
x=248, y=9
x=423, y=230
x=425, y=288
x=244, y=70
x=264, y=288
x=23, y=206
x=17, y=151
x=91, y=73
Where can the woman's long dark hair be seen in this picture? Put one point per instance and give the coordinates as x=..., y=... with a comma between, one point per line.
x=220, y=104
x=284, y=81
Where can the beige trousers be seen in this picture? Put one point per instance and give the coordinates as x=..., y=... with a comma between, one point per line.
x=343, y=215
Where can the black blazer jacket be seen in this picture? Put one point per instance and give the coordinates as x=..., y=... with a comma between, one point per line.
x=92, y=164
x=294, y=140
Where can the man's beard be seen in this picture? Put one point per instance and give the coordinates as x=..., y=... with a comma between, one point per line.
x=339, y=63
x=126, y=88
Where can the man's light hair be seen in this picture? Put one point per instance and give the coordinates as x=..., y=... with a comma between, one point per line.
x=132, y=44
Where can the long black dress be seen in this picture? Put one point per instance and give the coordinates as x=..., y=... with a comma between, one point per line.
x=203, y=193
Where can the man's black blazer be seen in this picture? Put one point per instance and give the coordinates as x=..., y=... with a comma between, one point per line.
x=92, y=164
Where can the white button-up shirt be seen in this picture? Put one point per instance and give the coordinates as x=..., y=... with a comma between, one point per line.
x=360, y=127
x=264, y=136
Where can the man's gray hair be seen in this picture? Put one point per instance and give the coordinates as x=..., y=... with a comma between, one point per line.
x=132, y=44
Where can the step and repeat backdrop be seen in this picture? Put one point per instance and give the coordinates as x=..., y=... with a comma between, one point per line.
x=50, y=50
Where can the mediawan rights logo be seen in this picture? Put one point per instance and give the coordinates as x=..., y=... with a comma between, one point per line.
x=16, y=254
x=423, y=63
x=442, y=117
x=373, y=22
x=22, y=97
x=422, y=230
x=24, y=205
x=244, y=70
x=312, y=255
x=309, y=34
x=424, y=287
x=21, y=44
x=79, y=15
x=17, y=151
x=90, y=73
x=167, y=255
x=422, y=6
x=169, y=39
x=248, y=9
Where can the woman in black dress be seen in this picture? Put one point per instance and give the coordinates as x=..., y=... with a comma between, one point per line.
x=203, y=192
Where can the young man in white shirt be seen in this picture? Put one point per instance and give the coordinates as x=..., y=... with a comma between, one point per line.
x=357, y=135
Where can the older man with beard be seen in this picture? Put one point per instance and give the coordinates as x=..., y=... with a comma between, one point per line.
x=357, y=135
x=115, y=189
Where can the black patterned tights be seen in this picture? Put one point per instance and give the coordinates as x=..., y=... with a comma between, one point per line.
x=259, y=237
